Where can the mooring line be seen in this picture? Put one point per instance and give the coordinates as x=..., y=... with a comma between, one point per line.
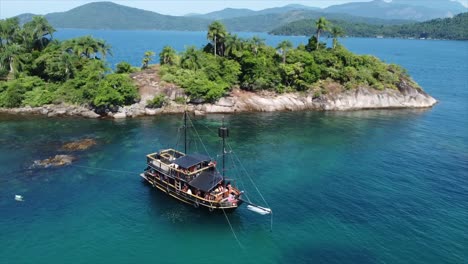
x=232, y=230
x=94, y=168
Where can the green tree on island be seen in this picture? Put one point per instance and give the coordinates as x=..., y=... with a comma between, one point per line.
x=191, y=58
x=147, y=58
x=256, y=43
x=283, y=47
x=41, y=70
x=38, y=30
x=216, y=34
x=234, y=46
x=322, y=26
x=10, y=56
x=336, y=32
x=88, y=47
x=168, y=56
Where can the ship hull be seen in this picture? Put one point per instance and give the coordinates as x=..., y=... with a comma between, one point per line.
x=192, y=200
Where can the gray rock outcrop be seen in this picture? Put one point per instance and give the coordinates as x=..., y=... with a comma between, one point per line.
x=53, y=110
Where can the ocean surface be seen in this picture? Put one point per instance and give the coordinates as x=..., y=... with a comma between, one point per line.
x=377, y=186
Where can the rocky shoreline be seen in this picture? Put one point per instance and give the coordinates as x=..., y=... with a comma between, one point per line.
x=337, y=99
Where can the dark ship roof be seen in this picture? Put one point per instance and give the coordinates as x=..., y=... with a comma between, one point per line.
x=206, y=180
x=190, y=160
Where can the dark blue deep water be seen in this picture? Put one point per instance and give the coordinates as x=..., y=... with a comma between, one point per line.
x=383, y=186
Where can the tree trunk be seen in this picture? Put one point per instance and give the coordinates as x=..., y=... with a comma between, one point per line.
x=215, y=45
x=12, y=69
x=318, y=38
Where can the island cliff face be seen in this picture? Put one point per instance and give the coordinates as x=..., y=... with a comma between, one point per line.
x=238, y=100
x=361, y=98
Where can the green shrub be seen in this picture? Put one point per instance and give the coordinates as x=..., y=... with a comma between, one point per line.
x=12, y=96
x=107, y=97
x=13, y=92
x=157, y=101
x=38, y=97
x=115, y=90
x=123, y=67
x=180, y=100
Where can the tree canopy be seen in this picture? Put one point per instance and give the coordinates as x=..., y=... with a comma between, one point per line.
x=41, y=70
x=252, y=65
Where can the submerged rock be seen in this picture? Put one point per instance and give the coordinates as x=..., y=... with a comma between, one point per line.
x=82, y=144
x=56, y=161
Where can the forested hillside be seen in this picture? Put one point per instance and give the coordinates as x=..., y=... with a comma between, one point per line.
x=455, y=28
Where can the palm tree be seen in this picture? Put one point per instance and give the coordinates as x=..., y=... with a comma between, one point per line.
x=9, y=29
x=256, y=43
x=167, y=56
x=217, y=34
x=322, y=25
x=233, y=45
x=148, y=57
x=283, y=47
x=38, y=29
x=10, y=57
x=87, y=47
x=103, y=48
x=336, y=32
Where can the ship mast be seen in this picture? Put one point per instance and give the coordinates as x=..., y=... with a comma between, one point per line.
x=223, y=132
x=185, y=132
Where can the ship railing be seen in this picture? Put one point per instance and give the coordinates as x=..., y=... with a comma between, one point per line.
x=164, y=163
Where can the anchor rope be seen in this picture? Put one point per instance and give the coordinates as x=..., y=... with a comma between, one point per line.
x=253, y=183
x=248, y=176
x=232, y=230
x=103, y=169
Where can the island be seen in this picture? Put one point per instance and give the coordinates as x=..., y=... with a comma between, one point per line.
x=45, y=76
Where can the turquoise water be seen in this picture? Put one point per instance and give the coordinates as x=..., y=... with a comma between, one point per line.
x=384, y=186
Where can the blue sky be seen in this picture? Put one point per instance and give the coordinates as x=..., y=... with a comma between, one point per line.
x=9, y=8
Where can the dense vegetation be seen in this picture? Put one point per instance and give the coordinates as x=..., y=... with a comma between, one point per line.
x=38, y=70
x=449, y=28
x=228, y=61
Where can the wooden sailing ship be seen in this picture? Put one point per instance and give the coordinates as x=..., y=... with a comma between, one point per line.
x=194, y=178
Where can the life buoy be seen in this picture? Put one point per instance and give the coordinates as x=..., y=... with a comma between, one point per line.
x=211, y=209
x=196, y=204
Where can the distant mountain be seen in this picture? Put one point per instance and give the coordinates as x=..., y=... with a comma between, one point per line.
x=108, y=15
x=268, y=22
x=23, y=18
x=449, y=28
x=446, y=5
x=228, y=13
x=400, y=9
